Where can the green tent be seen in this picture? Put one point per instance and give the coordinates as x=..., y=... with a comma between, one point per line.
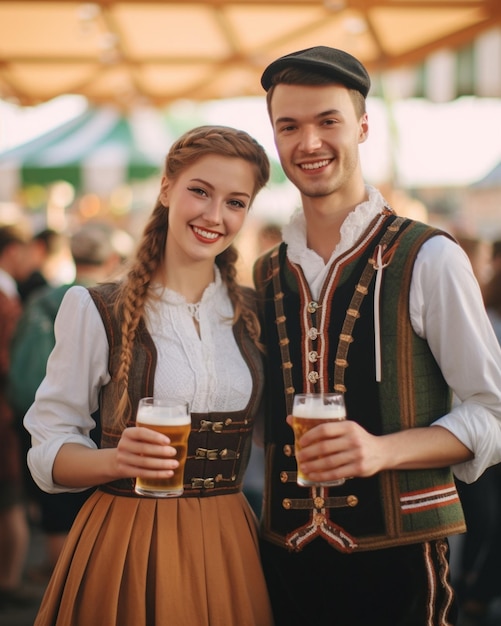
x=95, y=152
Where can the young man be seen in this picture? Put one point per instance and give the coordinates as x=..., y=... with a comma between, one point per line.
x=387, y=311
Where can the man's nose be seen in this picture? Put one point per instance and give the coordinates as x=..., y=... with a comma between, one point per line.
x=310, y=139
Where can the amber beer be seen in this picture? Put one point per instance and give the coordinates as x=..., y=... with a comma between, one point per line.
x=173, y=420
x=310, y=410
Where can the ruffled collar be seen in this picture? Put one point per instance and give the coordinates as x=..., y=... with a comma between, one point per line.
x=294, y=233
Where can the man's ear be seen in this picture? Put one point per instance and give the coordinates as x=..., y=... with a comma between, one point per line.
x=364, y=128
x=164, y=191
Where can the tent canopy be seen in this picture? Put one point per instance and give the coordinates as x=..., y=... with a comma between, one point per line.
x=156, y=52
x=96, y=151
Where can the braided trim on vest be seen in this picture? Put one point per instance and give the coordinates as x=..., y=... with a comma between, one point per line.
x=282, y=331
x=353, y=312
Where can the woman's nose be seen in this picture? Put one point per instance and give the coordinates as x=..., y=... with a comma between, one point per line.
x=213, y=213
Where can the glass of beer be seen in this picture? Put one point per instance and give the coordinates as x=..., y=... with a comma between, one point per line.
x=172, y=419
x=309, y=410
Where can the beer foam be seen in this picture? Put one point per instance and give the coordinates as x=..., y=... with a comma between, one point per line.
x=163, y=415
x=316, y=408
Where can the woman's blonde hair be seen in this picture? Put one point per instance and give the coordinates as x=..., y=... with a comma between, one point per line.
x=189, y=148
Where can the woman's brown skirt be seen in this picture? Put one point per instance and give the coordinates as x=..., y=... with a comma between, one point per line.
x=159, y=562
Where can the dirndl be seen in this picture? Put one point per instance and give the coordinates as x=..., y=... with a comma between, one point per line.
x=132, y=561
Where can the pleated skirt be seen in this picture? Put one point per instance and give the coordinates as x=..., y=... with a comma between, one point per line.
x=159, y=562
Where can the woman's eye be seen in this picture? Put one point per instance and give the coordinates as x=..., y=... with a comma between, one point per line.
x=237, y=204
x=198, y=191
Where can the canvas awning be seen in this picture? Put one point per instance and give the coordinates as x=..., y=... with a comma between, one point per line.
x=133, y=51
x=95, y=152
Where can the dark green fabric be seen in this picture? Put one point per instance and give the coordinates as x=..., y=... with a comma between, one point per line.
x=31, y=346
x=417, y=505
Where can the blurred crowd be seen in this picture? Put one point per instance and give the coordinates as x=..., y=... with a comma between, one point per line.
x=478, y=578
x=35, y=272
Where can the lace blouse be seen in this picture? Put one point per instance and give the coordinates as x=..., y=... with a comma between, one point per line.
x=204, y=367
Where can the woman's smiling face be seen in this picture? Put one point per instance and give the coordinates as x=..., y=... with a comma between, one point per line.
x=208, y=203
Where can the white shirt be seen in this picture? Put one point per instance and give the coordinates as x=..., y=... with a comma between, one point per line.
x=208, y=369
x=447, y=310
x=8, y=285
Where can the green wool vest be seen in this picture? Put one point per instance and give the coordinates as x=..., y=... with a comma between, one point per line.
x=394, y=507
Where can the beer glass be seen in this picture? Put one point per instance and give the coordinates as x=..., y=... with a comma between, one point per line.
x=309, y=410
x=172, y=419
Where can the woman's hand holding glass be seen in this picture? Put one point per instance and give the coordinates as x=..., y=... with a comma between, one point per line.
x=145, y=453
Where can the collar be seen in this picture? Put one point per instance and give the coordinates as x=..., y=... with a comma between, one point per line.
x=213, y=297
x=294, y=233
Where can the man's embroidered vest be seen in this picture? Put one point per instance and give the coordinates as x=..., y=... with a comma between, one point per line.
x=328, y=345
x=219, y=445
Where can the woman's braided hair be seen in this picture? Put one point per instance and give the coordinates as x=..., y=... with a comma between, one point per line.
x=150, y=255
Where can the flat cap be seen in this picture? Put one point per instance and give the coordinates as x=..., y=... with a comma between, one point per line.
x=343, y=67
x=92, y=244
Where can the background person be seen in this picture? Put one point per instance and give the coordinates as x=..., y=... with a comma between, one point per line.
x=48, y=252
x=14, y=529
x=95, y=259
x=479, y=580
x=388, y=311
x=180, y=327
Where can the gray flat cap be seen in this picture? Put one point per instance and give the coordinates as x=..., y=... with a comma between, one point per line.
x=343, y=67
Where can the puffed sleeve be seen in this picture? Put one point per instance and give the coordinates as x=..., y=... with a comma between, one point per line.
x=76, y=370
x=448, y=311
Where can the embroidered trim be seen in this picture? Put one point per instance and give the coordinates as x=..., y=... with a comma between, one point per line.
x=418, y=501
x=319, y=523
x=432, y=583
x=353, y=312
x=320, y=526
x=318, y=502
x=442, y=549
x=282, y=331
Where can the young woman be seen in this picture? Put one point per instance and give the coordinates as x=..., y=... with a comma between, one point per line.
x=179, y=327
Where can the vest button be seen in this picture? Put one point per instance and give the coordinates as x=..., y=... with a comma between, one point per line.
x=286, y=503
x=287, y=450
x=319, y=502
x=313, y=377
x=352, y=500
x=313, y=333
x=312, y=307
x=313, y=356
x=319, y=519
x=284, y=477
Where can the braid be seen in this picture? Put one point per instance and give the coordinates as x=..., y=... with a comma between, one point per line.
x=226, y=262
x=131, y=302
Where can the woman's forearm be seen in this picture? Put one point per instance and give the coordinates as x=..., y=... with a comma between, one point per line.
x=79, y=466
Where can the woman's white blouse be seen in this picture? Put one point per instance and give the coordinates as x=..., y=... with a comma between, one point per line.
x=205, y=369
